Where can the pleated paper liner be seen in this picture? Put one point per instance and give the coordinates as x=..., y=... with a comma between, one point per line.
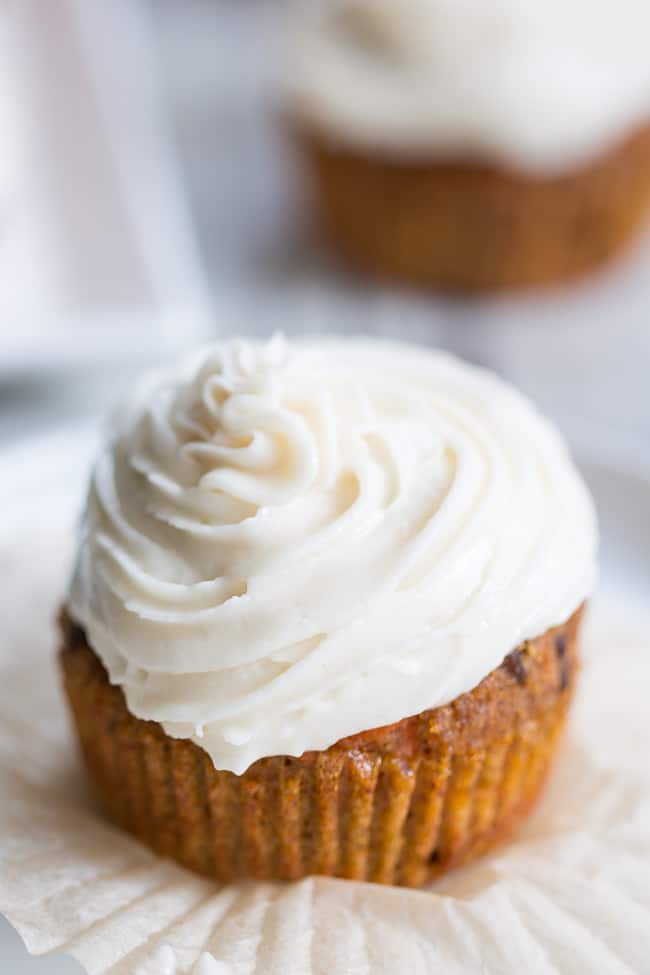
x=569, y=894
x=468, y=226
x=398, y=805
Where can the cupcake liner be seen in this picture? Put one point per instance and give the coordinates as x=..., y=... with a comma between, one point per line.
x=398, y=805
x=570, y=895
x=470, y=226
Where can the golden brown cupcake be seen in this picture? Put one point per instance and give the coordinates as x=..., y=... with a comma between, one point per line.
x=400, y=804
x=325, y=612
x=475, y=146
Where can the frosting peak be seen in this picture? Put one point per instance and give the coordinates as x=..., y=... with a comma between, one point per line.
x=238, y=437
x=287, y=545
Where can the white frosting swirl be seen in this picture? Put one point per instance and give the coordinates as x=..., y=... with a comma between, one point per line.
x=541, y=85
x=286, y=546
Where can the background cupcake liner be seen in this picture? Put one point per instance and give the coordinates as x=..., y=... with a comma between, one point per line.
x=477, y=227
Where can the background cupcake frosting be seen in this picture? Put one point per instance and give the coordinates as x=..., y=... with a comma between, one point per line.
x=541, y=86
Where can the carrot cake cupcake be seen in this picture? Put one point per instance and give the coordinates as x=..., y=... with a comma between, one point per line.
x=325, y=611
x=473, y=145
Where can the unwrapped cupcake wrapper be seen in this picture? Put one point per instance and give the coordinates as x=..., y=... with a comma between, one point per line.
x=396, y=805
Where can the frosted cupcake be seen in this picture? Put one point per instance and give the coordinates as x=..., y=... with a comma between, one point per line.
x=474, y=145
x=325, y=612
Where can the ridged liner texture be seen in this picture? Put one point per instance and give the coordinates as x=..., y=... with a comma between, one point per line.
x=465, y=226
x=397, y=805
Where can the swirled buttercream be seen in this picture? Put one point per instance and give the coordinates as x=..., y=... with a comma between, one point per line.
x=285, y=545
x=543, y=86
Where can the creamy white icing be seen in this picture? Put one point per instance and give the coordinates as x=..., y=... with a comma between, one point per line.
x=285, y=545
x=541, y=85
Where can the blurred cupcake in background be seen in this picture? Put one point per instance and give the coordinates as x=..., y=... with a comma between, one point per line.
x=471, y=145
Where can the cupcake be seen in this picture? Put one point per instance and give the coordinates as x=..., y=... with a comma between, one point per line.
x=325, y=611
x=471, y=145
